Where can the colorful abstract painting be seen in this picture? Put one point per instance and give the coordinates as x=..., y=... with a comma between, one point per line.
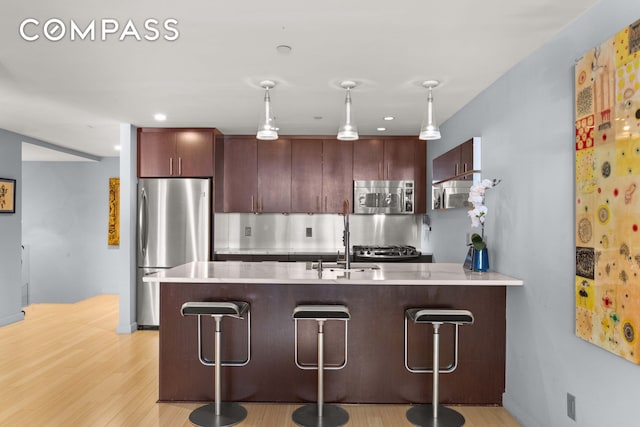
x=607, y=162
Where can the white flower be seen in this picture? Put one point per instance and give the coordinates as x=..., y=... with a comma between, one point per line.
x=477, y=215
x=488, y=183
x=476, y=197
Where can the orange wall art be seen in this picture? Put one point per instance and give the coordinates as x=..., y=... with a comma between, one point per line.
x=113, y=236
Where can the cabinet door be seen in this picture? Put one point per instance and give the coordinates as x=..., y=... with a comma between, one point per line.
x=194, y=151
x=446, y=165
x=420, y=177
x=399, y=158
x=306, y=176
x=337, y=175
x=156, y=151
x=466, y=159
x=368, y=157
x=240, y=175
x=274, y=176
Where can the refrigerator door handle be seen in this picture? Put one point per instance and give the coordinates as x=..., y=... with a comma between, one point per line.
x=143, y=217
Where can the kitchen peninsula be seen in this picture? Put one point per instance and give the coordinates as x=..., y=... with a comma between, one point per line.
x=377, y=296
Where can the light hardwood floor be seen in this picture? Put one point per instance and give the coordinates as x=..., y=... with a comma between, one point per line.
x=64, y=365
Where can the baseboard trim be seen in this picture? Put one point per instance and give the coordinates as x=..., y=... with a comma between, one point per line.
x=12, y=319
x=516, y=410
x=127, y=329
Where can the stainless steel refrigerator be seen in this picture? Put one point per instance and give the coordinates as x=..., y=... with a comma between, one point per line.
x=174, y=223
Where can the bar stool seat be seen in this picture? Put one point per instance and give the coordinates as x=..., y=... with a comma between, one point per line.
x=218, y=414
x=320, y=414
x=431, y=415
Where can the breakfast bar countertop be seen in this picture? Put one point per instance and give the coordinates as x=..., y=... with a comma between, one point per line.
x=300, y=273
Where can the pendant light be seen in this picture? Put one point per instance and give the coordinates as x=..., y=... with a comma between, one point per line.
x=348, y=130
x=429, y=129
x=267, y=129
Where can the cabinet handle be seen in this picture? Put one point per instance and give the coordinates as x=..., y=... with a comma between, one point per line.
x=387, y=170
x=380, y=170
x=179, y=166
x=325, y=203
x=457, y=167
x=464, y=168
x=252, y=209
x=171, y=166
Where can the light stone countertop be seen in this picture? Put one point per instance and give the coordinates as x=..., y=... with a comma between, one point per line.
x=299, y=273
x=284, y=251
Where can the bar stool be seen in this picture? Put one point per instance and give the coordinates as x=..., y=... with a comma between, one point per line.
x=430, y=415
x=319, y=414
x=220, y=413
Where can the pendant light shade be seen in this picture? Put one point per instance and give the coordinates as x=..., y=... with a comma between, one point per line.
x=267, y=129
x=429, y=129
x=348, y=130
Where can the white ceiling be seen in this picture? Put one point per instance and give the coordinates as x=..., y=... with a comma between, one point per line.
x=74, y=94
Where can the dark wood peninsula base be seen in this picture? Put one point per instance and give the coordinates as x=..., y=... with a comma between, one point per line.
x=375, y=372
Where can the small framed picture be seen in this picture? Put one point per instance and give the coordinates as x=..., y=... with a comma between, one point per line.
x=7, y=195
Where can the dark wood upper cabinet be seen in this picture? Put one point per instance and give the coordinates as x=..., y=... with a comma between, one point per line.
x=176, y=152
x=399, y=158
x=420, y=177
x=321, y=175
x=194, y=150
x=156, y=153
x=456, y=162
x=274, y=176
x=368, y=159
x=240, y=175
x=446, y=165
x=466, y=159
x=313, y=175
x=257, y=175
x=306, y=176
x=337, y=175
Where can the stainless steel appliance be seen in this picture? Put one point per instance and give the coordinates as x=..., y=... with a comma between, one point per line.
x=390, y=253
x=451, y=194
x=174, y=223
x=383, y=197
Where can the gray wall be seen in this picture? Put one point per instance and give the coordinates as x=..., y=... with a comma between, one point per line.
x=10, y=233
x=64, y=223
x=525, y=120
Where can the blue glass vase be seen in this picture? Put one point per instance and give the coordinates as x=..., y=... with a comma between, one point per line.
x=480, y=259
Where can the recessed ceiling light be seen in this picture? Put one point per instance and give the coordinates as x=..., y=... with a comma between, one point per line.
x=381, y=129
x=284, y=49
x=116, y=147
x=159, y=117
x=389, y=118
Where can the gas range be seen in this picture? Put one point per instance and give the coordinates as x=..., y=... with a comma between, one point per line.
x=385, y=253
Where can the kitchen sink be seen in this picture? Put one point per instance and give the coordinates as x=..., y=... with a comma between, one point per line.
x=340, y=266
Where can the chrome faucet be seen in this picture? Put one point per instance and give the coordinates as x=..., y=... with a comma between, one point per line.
x=346, y=235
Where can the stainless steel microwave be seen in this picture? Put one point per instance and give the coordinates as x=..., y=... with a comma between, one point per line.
x=383, y=197
x=451, y=194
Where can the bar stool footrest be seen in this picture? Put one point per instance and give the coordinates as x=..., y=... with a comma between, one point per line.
x=332, y=416
x=230, y=414
x=422, y=415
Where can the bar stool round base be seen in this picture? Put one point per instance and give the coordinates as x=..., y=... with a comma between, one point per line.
x=230, y=414
x=332, y=416
x=422, y=415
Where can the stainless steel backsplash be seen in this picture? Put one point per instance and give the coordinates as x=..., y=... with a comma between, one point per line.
x=278, y=231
